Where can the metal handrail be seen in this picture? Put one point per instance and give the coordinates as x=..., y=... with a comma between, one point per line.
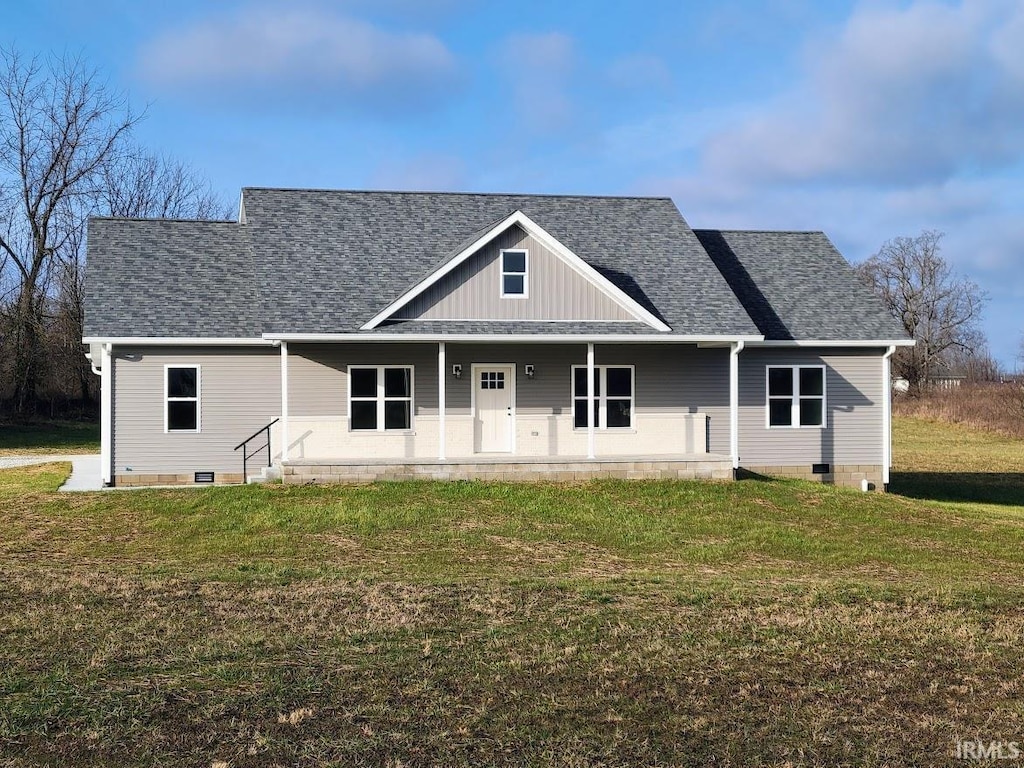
x=245, y=452
x=254, y=434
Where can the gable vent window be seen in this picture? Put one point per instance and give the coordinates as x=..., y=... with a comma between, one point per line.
x=514, y=275
x=181, y=398
x=796, y=396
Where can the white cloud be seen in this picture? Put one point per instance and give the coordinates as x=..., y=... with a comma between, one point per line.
x=539, y=67
x=639, y=70
x=903, y=94
x=293, y=54
x=427, y=172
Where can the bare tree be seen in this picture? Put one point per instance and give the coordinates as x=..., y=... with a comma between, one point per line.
x=937, y=308
x=141, y=185
x=60, y=126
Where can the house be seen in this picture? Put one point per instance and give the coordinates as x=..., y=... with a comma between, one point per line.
x=368, y=335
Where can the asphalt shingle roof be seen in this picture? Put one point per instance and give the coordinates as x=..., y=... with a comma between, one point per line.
x=316, y=261
x=796, y=285
x=159, y=277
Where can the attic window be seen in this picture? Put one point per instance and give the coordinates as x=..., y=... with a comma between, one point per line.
x=513, y=274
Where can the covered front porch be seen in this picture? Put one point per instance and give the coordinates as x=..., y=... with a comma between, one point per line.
x=542, y=408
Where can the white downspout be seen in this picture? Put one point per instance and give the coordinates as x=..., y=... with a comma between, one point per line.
x=106, y=413
x=441, y=433
x=887, y=414
x=284, y=401
x=590, y=400
x=734, y=403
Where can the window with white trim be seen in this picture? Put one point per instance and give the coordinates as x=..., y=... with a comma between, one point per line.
x=796, y=396
x=613, y=397
x=514, y=275
x=181, y=398
x=380, y=397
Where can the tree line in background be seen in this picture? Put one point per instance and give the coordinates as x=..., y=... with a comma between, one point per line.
x=67, y=153
x=940, y=310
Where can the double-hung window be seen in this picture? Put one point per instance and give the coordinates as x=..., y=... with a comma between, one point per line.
x=613, y=396
x=380, y=397
x=796, y=396
x=514, y=276
x=181, y=398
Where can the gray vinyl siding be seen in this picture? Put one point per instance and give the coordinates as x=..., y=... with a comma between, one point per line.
x=240, y=391
x=318, y=375
x=669, y=378
x=854, y=410
x=472, y=291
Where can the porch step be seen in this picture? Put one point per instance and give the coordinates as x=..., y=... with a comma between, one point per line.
x=266, y=475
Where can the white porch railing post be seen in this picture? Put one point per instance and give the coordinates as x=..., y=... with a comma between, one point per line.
x=590, y=400
x=284, y=401
x=734, y=403
x=441, y=431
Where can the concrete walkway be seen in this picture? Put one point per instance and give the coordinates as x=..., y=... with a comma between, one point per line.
x=85, y=469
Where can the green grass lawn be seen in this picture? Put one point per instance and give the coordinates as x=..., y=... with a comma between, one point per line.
x=49, y=437
x=607, y=623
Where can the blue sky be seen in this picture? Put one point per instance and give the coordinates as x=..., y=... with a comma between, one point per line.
x=867, y=120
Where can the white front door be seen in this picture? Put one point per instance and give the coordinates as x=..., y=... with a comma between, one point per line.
x=493, y=387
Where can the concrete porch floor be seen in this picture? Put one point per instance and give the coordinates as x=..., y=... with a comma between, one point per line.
x=711, y=466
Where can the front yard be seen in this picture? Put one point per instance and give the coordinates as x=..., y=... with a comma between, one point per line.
x=610, y=623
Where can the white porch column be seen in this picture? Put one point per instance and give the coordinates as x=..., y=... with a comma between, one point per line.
x=106, y=412
x=887, y=414
x=284, y=401
x=441, y=432
x=590, y=400
x=734, y=403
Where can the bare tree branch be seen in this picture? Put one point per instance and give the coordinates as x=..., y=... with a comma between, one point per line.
x=938, y=309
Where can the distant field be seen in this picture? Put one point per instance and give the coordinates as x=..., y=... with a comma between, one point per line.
x=609, y=623
x=990, y=407
x=49, y=437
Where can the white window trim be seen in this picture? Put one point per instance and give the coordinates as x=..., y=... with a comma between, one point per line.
x=197, y=399
x=795, y=406
x=525, y=273
x=380, y=399
x=602, y=399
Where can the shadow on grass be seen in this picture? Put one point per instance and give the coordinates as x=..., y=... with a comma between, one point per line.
x=746, y=474
x=984, y=487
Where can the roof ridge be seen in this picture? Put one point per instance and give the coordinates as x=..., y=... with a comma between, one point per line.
x=762, y=231
x=161, y=218
x=462, y=194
